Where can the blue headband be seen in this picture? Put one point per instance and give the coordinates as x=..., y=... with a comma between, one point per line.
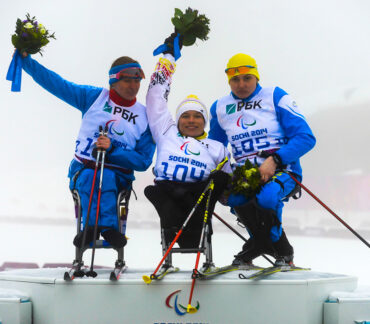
x=119, y=68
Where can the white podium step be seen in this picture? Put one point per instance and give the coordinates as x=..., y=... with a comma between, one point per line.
x=347, y=308
x=289, y=298
x=15, y=307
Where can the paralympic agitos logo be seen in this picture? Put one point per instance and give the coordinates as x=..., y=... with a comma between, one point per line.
x=241, y=122
x=179, y=309
x=185, y=147
x=112, y=130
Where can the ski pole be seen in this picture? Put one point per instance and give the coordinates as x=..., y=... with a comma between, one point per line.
x=91, y=272
x=148, y=279
x=330, y=211
x=90, y=200
x=191, y=309
x=237, y=233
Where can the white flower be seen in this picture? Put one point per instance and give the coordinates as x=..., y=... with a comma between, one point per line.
x=28, y=25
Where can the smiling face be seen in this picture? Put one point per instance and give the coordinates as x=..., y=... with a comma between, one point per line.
x=243, y=85
x=127, y=88
x=191, y=123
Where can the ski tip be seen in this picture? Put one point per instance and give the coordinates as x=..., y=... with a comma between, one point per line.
x=147, y=279
x=190, y=309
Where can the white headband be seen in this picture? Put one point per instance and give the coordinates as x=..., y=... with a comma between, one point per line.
x=191, y=102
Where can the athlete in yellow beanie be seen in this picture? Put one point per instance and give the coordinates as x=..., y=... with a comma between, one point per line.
x=265, y=126
x=242, y=75
x=241, y=64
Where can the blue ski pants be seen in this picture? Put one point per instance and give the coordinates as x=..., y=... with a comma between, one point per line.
x=270, y=197
x=111, y=186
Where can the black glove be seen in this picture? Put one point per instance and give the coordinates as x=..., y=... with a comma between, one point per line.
x=169, y=42
x=220, y=179
x=95, y=152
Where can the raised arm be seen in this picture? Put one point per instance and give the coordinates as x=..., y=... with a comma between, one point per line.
x=216, y=132
x=159, y=117
x=78, y=96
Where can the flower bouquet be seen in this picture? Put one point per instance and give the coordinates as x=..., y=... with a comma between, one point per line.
x=30, y=36
x=246, y=180
x=190, y=25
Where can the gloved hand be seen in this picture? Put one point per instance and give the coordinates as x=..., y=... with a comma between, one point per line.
x=220, y=179
x=169, y=41
x=94, y=152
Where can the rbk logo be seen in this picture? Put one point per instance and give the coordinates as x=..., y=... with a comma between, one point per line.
x=230, y=109
x=249, y=105
x=125, y=114
x=107, y=108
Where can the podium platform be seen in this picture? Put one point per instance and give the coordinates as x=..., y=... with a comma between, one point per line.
x=290, y=297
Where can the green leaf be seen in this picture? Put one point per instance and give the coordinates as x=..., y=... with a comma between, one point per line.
x=177, y=23
x=178, y=13
x=44, y=41
x=188, y=18
x=189, y=39
x=192, y=13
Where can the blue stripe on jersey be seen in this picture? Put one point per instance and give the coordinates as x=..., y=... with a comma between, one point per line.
x=78, y=96
x=216, y=132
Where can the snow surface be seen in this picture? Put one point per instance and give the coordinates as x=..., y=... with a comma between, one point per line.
x=136, y=274
x=12, y=294
x=53, y=244
x=360, y=294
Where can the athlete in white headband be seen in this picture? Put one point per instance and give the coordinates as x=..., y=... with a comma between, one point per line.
x=185, y=159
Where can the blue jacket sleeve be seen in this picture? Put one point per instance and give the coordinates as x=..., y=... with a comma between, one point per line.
x=78, y=96
x=138, y=159
x=215, y=131
x=296, y=129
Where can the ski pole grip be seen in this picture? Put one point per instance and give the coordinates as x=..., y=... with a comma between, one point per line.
x=221, y=164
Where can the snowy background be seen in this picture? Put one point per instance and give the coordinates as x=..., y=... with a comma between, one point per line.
x=317, y=51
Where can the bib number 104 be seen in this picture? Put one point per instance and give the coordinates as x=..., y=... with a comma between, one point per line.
x=180, y=173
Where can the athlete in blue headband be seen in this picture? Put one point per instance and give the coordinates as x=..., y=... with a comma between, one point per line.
x=129, y=146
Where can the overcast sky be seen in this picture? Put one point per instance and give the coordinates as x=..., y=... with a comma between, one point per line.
x=316, y=50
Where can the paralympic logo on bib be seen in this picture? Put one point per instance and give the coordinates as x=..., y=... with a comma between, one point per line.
x=185, y=147
x=179, y=309
x=112, y=131
x=243, y=124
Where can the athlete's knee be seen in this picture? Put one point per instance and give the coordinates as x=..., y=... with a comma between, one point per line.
x=109, y=181
x=269, y=196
